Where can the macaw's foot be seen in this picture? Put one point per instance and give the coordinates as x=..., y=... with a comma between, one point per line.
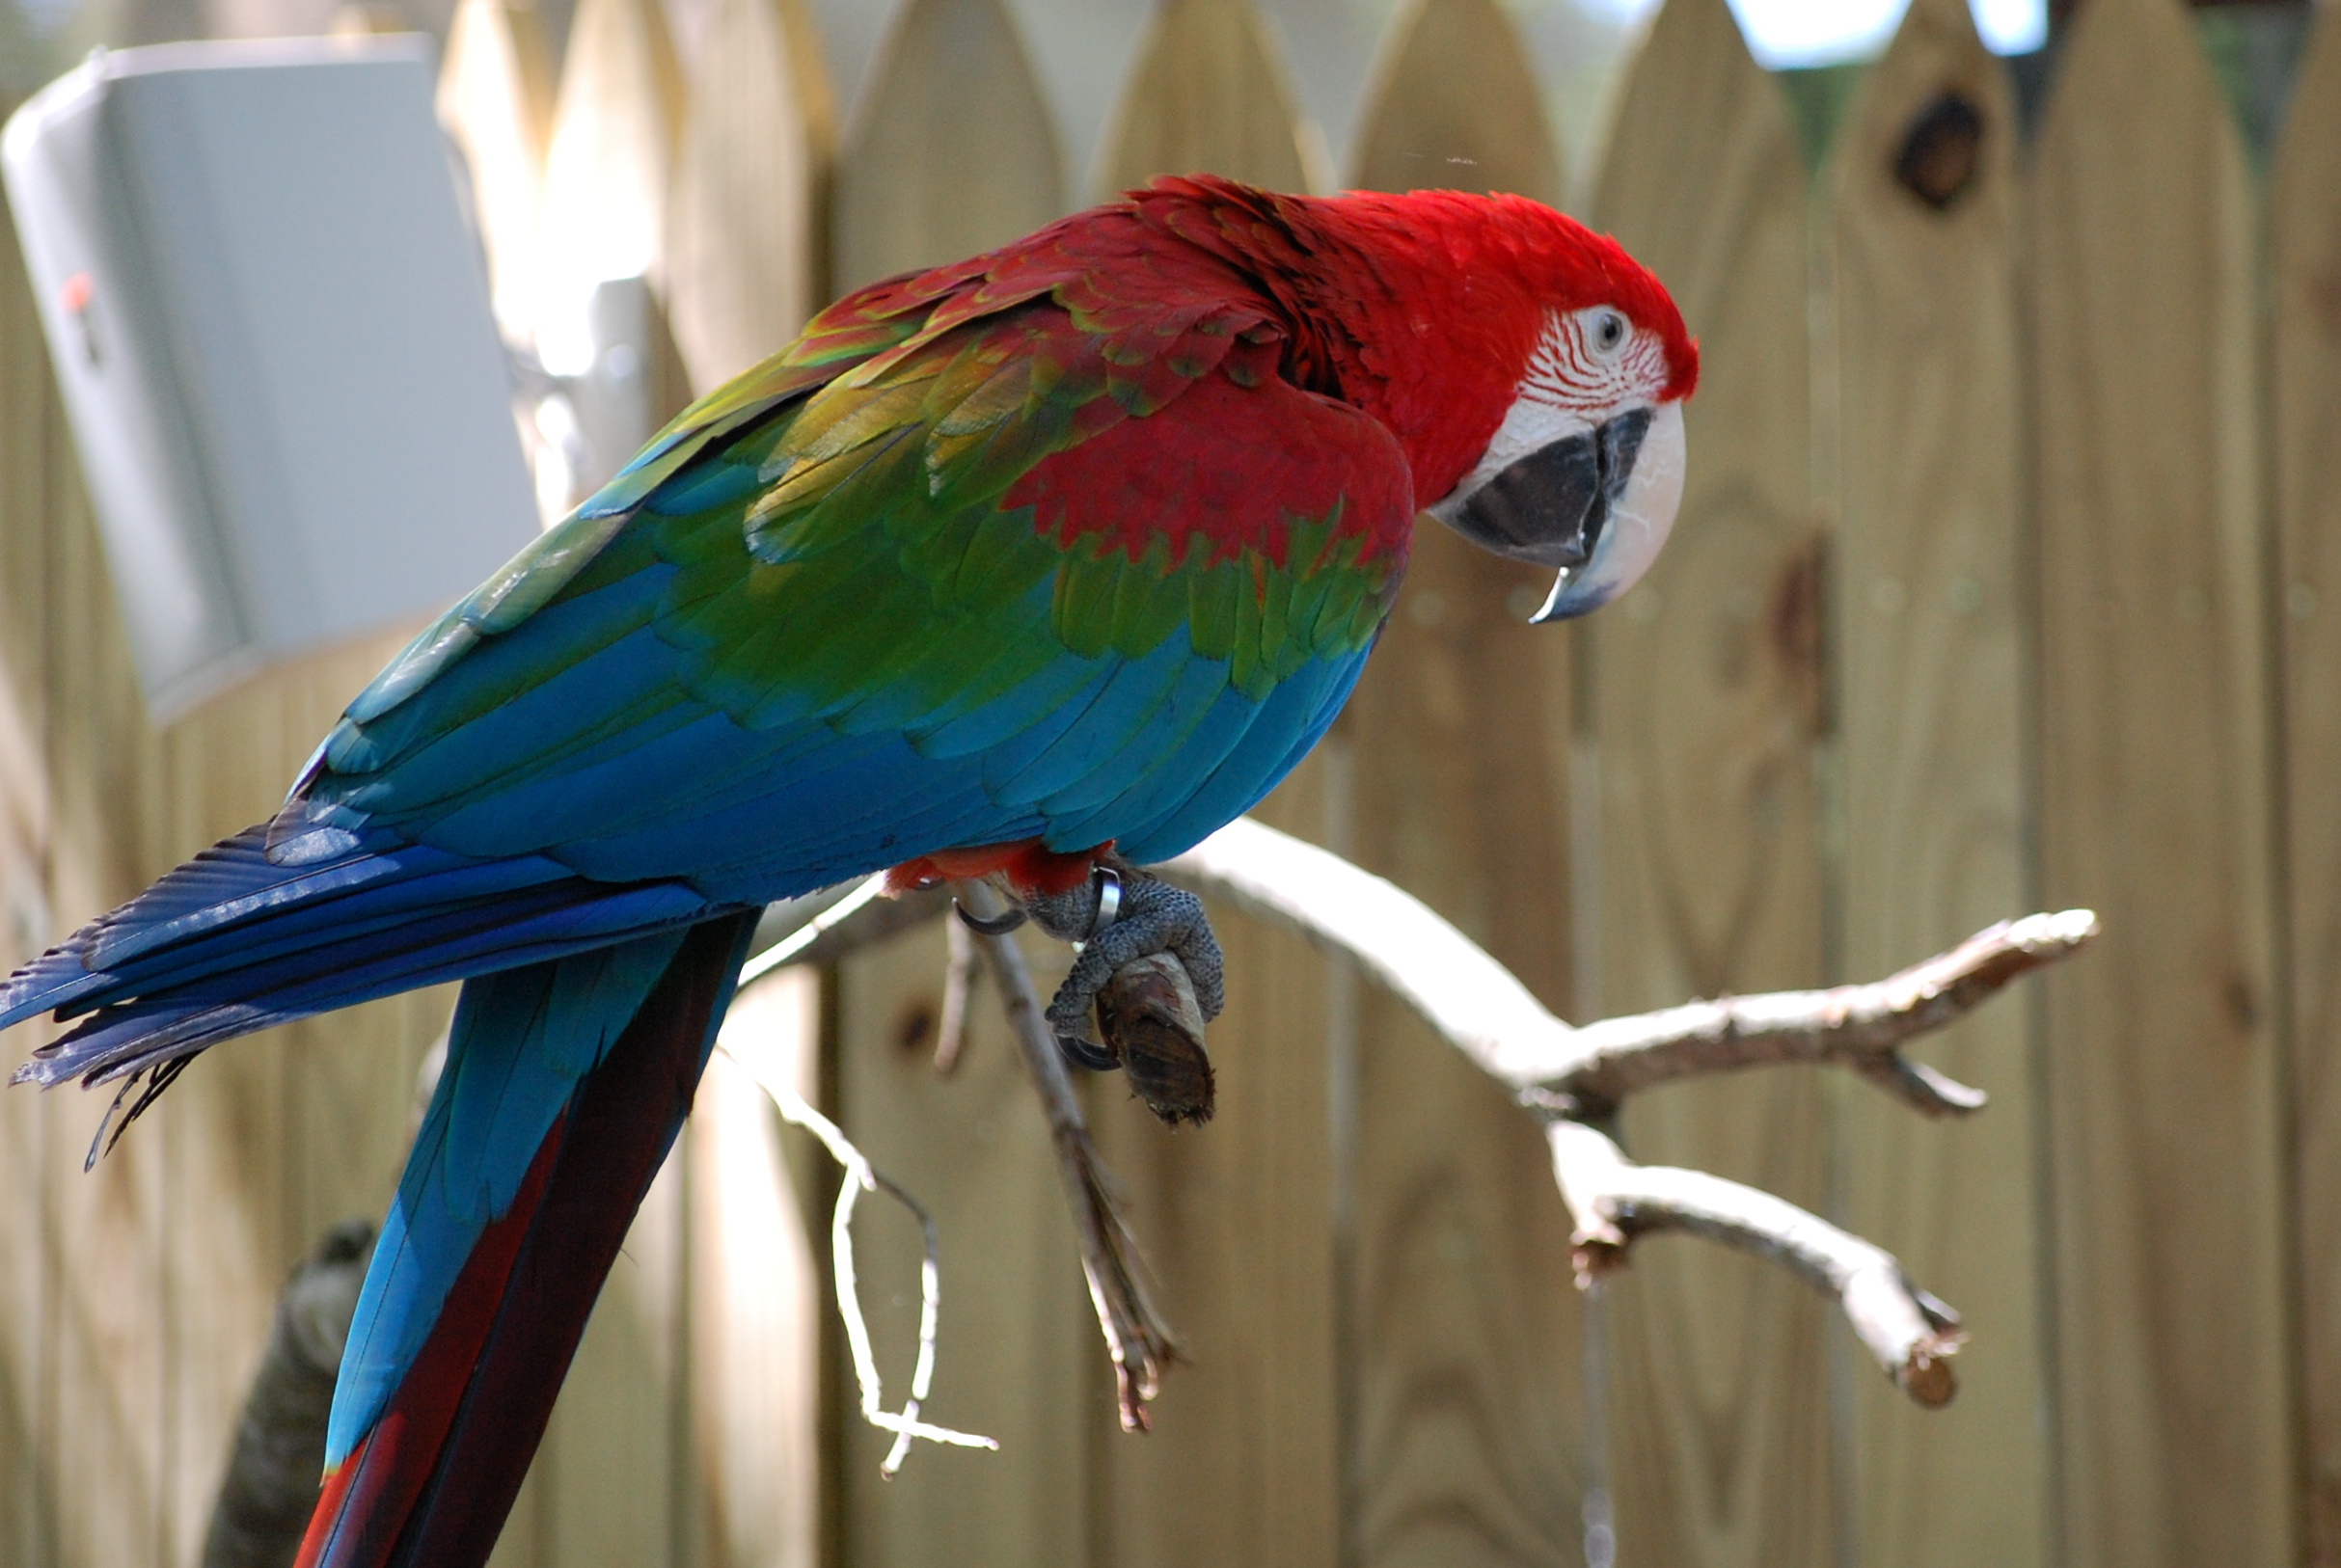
x=1119, y=919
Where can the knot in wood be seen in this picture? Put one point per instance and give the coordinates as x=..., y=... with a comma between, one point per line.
x=1942, y=150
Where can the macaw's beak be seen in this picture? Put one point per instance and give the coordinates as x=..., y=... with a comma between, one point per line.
x=1596, y=505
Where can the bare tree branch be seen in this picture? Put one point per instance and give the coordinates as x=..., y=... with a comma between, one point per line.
x=1136, y=1337
x=1912, y=1335
x=1488, y=1015
x=1571, y=1078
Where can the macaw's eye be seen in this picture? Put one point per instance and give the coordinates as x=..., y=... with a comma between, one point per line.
x=1607, y=331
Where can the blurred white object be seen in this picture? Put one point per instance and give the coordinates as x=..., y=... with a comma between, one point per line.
x=272, y=332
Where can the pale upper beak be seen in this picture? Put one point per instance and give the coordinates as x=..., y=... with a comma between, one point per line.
x=1596, y=504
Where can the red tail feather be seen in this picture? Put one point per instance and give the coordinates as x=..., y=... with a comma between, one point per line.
x=430, y=1485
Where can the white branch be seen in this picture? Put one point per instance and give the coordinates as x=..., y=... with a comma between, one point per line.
x=1488, y=1015
x=1568, y=1077
x=1912, y=1335
x=861, y=1177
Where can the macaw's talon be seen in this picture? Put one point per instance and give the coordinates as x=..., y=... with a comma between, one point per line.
x=1154, y=1023
x=999, y=925
x=1087, y=1053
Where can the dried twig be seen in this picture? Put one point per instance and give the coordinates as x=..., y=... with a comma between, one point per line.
x=1861, y=1026
x=822, y=928
x=1136, y=1336
x=1912, y=1334
x=861, y=1178
x=960, y=972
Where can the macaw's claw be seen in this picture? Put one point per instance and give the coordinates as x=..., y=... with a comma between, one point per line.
x=1118, y=919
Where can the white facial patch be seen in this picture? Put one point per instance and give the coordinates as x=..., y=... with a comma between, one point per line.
x=1575, y=382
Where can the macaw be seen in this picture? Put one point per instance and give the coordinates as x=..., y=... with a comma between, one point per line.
x=1050, y=560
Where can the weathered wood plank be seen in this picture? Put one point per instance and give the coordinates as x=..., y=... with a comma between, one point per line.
x=2305, y=211
x=1235, y=1215
x=27, y=1275
x=2162, y=1049
x=1455, y=105
x=1018, y=1349
x=1928, y=649
x=757, y=1294
x=1466, y=1329
x=1207, y=93
x=953, y=150
x=744, y=254
x=1707, y=706
x=106, y=1329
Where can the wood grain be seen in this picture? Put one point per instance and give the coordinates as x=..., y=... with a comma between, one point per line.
x=1209, y=94
x=1927, y=651
x=953, y=150
x=1455, y=105
x=744, y=254
x=2164, y=1052
x=1707, y=707
x=2305, y=214
x=758, y=1293
x=1241, y=1466
x=1467, y=1328
x=1018, y=1357
x=496, y=101
x=28, y=409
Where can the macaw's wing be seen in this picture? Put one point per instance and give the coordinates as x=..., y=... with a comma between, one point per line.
x=1040, y=574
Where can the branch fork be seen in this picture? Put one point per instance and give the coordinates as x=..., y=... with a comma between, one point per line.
x=1572, y=1079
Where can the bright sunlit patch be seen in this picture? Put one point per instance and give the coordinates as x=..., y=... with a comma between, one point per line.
x=1787, y=33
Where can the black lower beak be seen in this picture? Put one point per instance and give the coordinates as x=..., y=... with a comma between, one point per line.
x=1550, y=506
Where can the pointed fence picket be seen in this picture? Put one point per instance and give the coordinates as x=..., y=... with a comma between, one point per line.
x=1463, y=1418
x=496, y=100
x=1707, y=706
x=1209, y=92
x=2164, y=1061
x=2001, y=583
x=953, y=150
x=1234, y=1216
x=2305, y=213
x=743, y=262
x=1927, y=627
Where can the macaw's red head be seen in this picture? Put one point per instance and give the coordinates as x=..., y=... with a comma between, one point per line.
x=1533, y=370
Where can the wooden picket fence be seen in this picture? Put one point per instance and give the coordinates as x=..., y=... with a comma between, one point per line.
x=1999, y=585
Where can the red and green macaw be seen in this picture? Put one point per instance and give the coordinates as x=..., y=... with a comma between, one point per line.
x=1064, y=553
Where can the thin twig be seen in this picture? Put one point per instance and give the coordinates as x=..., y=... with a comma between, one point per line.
x=1862, y=1026
x=822, y=928
x=1136, y=1337
x=960, y=973
x=1612, y=1199
x=861, y=1178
